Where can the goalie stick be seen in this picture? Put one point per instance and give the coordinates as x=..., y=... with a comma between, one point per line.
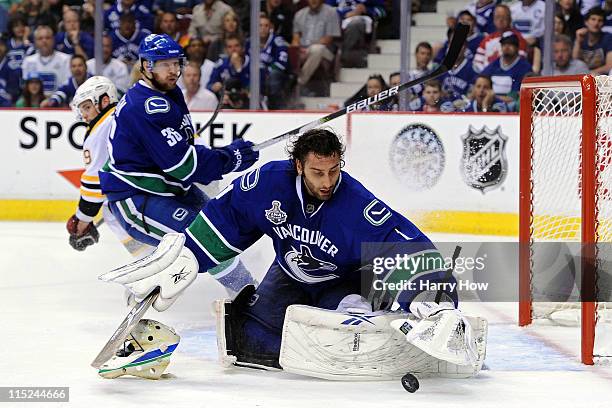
x=455, y=46
x=124, y=329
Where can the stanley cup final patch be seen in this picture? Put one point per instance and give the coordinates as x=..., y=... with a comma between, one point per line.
x=275, y=215
x=483, y=162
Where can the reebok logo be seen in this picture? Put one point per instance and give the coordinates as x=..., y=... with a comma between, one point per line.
x=238, y=156
x=177, y=277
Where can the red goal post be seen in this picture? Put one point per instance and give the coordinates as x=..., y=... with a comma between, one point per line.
x=565, y=151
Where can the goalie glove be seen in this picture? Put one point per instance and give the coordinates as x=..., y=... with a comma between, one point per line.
x=81, y=241
x=171, y=267
x=441, y=331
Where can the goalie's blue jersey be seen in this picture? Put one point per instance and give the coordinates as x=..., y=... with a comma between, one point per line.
x=150, y=150
x=315, y=244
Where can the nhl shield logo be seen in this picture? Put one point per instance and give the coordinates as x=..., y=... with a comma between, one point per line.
x=275, y=215
x=484, y=164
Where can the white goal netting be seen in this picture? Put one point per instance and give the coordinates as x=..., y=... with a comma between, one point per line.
x=556, y=201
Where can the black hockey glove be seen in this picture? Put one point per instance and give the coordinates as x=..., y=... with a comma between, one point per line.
x=240, y=155
x=79, y=242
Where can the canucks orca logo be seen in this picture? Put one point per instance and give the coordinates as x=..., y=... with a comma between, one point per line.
x=302, y=263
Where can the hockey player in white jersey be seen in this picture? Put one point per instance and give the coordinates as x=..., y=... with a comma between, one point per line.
x=94, y=103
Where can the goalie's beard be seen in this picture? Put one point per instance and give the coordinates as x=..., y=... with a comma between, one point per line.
x=155, y=82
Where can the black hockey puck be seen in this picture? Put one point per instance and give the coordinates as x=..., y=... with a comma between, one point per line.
x=410, y=383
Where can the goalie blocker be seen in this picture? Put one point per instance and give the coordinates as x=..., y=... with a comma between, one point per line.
x=347, y=345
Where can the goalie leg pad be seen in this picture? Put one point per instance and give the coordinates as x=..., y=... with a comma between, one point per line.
x=361, y=346
x=242, y=340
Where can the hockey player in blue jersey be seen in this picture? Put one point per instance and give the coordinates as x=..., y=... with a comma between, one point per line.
x=318, y=217
x=153, y=162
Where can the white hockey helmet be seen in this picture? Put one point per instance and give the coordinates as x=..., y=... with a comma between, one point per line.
x=93, y=90
x=146, y=353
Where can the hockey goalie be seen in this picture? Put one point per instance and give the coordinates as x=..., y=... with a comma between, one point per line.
x=316, y=312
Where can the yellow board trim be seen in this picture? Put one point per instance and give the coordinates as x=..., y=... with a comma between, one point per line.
x=466, y=222
x=444, y=221
x=37, y=210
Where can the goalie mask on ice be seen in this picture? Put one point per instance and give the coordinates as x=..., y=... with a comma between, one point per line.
x=145, y=353
x=350, y=345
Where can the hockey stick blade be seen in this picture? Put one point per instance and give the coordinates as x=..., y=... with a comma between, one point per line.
x=124, y=329
x=454, y=48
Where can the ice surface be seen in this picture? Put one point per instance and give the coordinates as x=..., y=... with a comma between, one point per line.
x=56, y=315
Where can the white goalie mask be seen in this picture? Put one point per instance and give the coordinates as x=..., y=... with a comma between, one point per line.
x=146, y=353
x=93, y=90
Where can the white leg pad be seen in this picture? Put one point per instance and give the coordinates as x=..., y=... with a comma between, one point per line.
x=355, y=347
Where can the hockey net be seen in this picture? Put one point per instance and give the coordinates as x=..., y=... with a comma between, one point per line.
x=566, y=206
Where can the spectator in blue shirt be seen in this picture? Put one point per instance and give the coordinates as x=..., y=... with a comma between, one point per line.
x=235, y=66
x=508, y=70
x=72, y=40
x=456, y=82
x=593, y=45
x=484, y=10
x=9, y=79
x=19, y=45
x=483, y=97
x=126, y=39
x=140, y=9
x=274, y=59
x=473, y=40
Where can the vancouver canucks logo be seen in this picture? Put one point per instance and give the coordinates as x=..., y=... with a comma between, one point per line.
x=156, y=104
x=302, y=263
x=275, y=215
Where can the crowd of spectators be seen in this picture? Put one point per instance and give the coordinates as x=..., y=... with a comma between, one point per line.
x=505, y=45
x=48, y=42
x=47, y=48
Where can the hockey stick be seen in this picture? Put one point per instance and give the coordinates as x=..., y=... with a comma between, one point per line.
x=124, y=329
x=454, y=48
x=449, y=273
x=214, y=115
